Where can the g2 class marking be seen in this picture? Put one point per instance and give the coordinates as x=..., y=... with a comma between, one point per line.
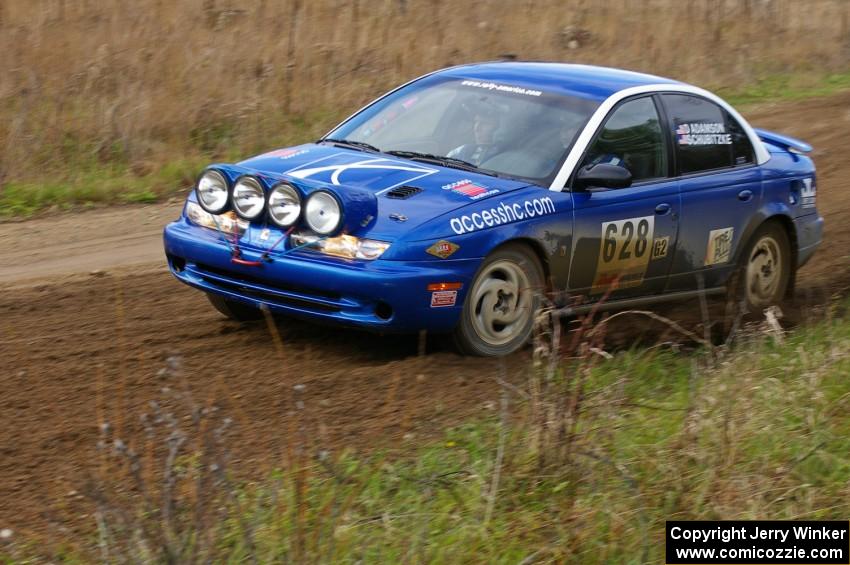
x=502, y=214
x=625, y=248
x=659, y=247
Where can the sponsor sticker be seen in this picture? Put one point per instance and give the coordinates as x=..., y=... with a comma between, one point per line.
x=468, y=188
x=502, y=214
x=443, y=249
x=287, y=153
x=502, y=87
x=703, y=133
x=808, y=193
x=624, y=253
x=443, y=298
x=719, y=246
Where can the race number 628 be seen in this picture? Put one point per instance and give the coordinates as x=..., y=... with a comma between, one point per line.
x=628, y=238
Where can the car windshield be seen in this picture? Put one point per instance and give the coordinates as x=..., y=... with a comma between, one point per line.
x=499, y=128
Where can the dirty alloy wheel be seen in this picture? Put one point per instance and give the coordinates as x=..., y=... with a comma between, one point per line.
x=498, y=313
x=764, y=269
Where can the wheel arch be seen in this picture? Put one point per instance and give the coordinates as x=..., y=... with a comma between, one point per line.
x=787, y=223
x=536, y=248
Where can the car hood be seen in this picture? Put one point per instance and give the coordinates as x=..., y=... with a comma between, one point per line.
x=409, y=193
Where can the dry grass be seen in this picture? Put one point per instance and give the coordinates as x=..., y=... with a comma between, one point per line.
x=138, y=84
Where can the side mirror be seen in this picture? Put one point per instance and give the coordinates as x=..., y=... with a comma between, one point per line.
x=602, y=175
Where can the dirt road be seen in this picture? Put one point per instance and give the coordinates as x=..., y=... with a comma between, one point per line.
x=89, y=315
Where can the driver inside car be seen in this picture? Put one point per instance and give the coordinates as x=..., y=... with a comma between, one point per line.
x=484, y=126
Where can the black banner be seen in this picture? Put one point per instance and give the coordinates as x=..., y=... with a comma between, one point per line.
x=759, y=542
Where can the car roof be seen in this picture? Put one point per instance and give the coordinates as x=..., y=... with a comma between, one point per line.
x=584, y=81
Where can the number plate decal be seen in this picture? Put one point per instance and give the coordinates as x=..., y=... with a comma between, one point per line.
x=624, y=252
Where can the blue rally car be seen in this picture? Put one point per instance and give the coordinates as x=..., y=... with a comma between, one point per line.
x=454, y=201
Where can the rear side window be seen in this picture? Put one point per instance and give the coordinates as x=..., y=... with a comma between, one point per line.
x=705, y=135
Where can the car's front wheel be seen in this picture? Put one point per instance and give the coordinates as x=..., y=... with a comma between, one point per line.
x=498, y=313
x=234, y=310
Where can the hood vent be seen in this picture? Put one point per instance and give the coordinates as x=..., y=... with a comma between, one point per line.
x=403, y=192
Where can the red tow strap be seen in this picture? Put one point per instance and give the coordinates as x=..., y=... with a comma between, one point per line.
x=245, y=262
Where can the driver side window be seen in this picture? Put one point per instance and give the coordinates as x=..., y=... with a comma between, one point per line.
x=632, y=138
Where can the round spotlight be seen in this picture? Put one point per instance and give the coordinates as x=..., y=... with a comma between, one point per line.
x=323, y=213
x=249, y=199
x=284, y=205
x=212, y=192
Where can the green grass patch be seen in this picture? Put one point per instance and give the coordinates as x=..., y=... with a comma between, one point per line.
x=780, y=87
x=114, y=184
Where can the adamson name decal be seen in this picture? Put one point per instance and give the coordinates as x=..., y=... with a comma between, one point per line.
x=502, y=214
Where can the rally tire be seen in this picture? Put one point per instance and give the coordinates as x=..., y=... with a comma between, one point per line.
x=764, y=269
x=500, y=305
x=234, y=310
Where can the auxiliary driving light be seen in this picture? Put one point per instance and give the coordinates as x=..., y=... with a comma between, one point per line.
x=212, y=192
x=323, y=212
x=284, y=205
x=249, y=199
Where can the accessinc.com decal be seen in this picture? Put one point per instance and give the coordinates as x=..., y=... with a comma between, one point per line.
x=502, y=214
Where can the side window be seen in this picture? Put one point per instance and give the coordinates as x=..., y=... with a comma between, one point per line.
x=632, y=138
x=706, y=137
x=742, y=148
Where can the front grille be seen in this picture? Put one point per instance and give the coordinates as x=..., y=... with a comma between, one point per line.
x=274, y=293
x=263, y=282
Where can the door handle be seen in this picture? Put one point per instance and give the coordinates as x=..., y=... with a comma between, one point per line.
x=662, y=209
x=745, y=195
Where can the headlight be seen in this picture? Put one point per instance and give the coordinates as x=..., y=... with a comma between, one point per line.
x=249, y=198
x=284, y=205
x=227, y=222
x=323, y=213
x=346, y=246
x=212, y=192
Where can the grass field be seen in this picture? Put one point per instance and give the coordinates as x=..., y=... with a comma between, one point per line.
x=583, y=463
x=104, y=102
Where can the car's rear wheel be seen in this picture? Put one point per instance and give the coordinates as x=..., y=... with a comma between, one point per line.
x=765, y=269
x=234, y=310
x=498, y=313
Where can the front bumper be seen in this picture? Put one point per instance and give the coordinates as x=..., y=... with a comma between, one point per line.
x=379, y=295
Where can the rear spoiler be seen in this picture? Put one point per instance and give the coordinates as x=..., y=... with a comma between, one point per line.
x=791, y=144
